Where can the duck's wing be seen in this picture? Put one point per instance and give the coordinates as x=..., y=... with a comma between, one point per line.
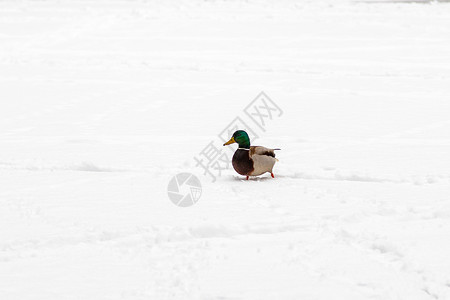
x=263, y=159
x=260, y=150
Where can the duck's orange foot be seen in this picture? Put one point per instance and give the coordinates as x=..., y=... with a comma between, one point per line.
x=271, y=174
x=247, y=177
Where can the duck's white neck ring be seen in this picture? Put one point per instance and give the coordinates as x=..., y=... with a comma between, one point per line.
x=243, y=149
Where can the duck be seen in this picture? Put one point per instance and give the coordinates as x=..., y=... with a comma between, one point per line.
x=251, y=160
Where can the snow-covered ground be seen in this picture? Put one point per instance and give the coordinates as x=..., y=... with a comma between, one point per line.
x=103, y=102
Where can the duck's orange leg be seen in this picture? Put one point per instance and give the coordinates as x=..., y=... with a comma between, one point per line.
x=247, y=177
x=271, y=174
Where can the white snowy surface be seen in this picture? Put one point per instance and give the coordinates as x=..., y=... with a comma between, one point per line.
x=102, y=102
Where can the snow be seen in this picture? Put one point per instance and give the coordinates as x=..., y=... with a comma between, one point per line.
x=103, y=102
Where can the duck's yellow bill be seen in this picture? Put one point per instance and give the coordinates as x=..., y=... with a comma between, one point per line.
x=231, y=141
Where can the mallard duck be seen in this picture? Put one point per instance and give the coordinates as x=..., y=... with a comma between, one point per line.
x=251, y=160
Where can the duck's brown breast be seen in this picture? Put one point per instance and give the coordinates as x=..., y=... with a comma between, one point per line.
x=241, y=162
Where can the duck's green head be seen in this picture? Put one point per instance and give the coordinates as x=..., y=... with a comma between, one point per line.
x=240, y=137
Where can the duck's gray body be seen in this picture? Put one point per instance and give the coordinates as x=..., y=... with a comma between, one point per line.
x=254, y=161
